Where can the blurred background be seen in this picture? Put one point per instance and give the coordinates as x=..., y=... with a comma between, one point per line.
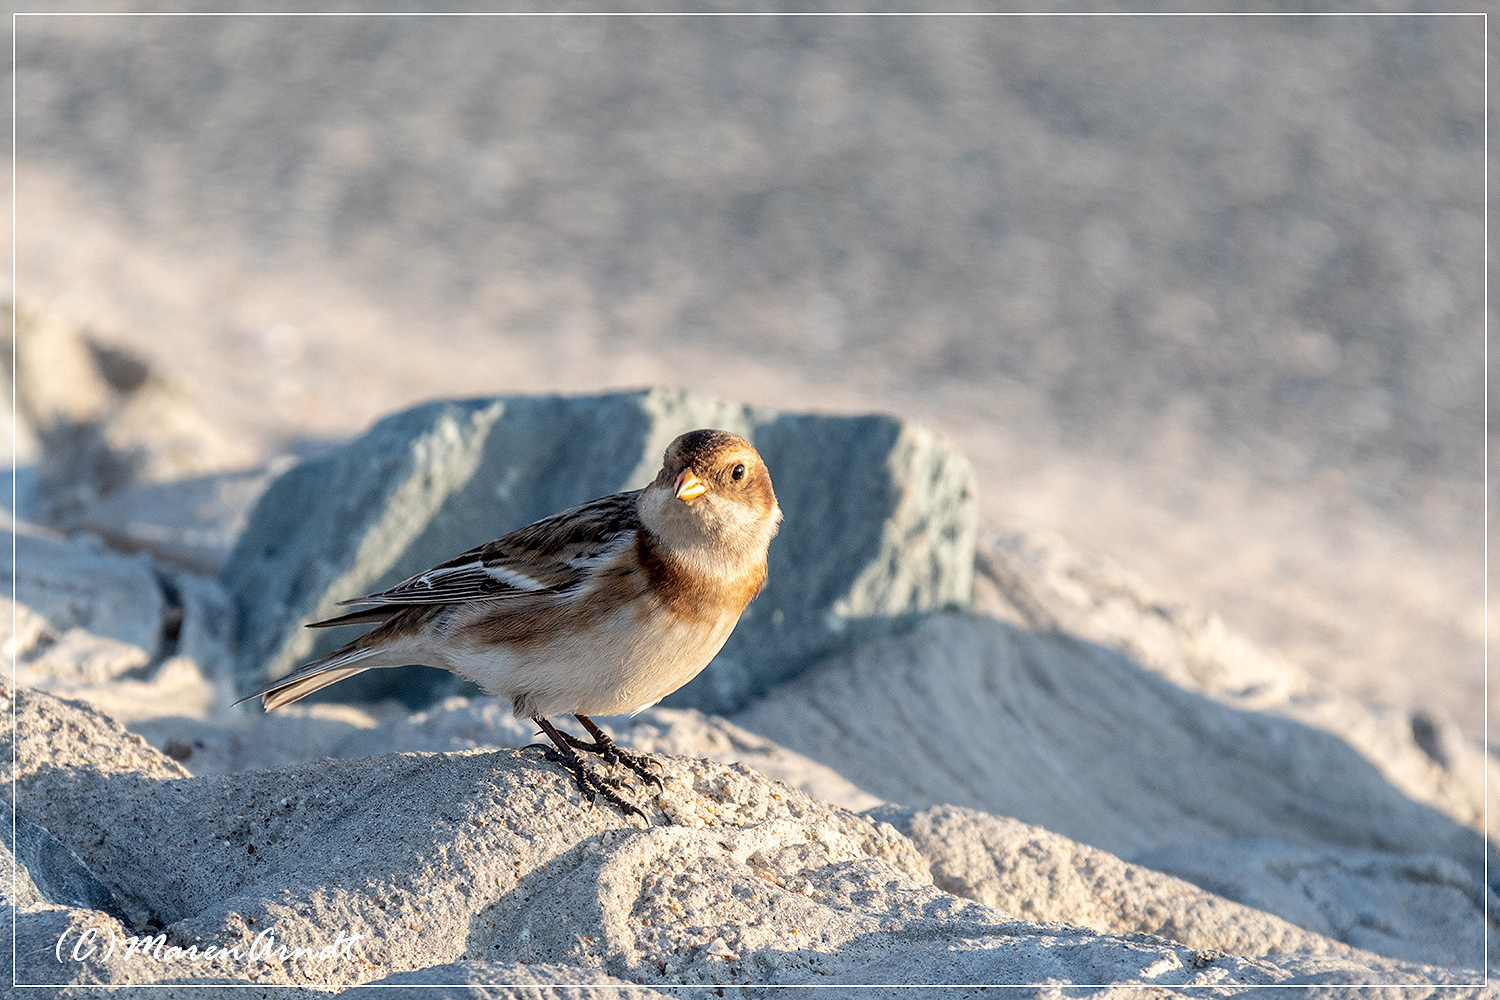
x=1203, y=294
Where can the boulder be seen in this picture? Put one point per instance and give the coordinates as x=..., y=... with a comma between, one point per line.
x=1042, y=583
x=101, y=419
x=1085, y=742
x=37, y=927
x=70, y=739
x=82, y=585
x=20, y=448
x=58, y=380
x=18, y=440
x=135, y=638
x=1421, y=908
x=192, y=523
x=1093, y=744
x=47, y=872
x=879, y=526
x=412, y=863
x=160, y=433
x=74, y=657
x=1038, y=875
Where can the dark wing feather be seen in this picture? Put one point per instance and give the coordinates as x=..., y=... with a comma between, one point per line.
x=552, y=556
x=364, y=616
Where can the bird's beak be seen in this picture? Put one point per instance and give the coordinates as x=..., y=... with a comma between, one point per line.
x=689, y=486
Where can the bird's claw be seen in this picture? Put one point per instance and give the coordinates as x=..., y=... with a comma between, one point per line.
x=592, y=787
x=641, y=765
x=614, y=757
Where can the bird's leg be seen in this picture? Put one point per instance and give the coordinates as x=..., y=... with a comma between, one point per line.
x=606, y=748
x=589, y=785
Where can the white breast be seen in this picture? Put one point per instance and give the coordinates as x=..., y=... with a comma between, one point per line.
x=621, y=663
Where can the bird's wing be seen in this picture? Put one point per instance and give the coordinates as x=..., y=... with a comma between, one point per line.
x=553, y=556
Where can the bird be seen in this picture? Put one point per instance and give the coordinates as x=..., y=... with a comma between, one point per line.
x=601, y=609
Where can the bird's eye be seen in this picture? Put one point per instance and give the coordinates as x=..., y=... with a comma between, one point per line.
x=738, y=472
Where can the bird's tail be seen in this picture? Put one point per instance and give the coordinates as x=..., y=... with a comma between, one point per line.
x=346, y=661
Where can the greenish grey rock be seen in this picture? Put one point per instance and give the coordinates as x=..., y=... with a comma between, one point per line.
x=49, y=873
x=880, y=522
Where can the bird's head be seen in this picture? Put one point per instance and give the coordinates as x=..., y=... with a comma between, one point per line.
x=713, y=494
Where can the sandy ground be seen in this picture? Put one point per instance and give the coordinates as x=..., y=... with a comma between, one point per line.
x=1204, y=299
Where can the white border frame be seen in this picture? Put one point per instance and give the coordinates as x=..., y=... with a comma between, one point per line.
x=1484, y=15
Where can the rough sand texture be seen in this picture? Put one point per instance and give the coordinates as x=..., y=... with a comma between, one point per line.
x=1093, y=746
x=437, y=859
x=237, y=741
x=1349, y=895
x=482, y=981
x=1038, y=875
x=1046, y=584
x=1101, y=750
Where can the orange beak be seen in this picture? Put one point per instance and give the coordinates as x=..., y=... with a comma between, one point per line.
x=689, y=486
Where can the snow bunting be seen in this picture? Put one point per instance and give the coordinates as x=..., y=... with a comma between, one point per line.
x=602, y=609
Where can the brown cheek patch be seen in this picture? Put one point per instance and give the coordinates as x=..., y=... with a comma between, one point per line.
x=762, y=497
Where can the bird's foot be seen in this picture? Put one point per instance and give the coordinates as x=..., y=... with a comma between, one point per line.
x=614, y=756
x=641, y=764
x=592, y=786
